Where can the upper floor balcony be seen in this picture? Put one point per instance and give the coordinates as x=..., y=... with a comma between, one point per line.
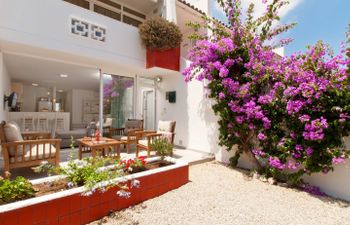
x=99, y=30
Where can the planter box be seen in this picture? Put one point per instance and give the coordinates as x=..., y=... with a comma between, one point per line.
x=168, y=59
x=70, y=207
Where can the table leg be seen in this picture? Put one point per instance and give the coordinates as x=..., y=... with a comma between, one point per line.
x=93, y=152
x=80, y=151
x=118, y=150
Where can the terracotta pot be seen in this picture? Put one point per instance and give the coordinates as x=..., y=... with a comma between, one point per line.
x=167, y=59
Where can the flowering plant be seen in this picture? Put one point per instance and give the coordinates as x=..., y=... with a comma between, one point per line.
x=134, y=165
x=284, y=112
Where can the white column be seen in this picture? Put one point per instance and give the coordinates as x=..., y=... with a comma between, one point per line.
x=170, y=10
x=101, y=104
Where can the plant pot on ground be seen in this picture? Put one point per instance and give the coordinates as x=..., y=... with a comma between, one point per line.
x=162, y=40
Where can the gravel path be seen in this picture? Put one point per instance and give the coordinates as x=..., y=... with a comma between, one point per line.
x=219, y=195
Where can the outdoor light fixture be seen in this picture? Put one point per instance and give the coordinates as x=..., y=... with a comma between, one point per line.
x=63, y=75
x=35, y=84
x=158, y=79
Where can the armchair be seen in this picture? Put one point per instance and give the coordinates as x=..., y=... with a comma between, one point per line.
x=166, y=129
x=127, y=133
x=26, y=149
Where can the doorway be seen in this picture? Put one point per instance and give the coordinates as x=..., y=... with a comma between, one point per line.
x=147, y=103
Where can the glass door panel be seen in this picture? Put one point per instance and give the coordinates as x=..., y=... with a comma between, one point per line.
x=118, y=98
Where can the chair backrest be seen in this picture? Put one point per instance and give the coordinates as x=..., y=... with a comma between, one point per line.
x=140, y=121
x=166, y=126
x=133, y=124
x=2, y=132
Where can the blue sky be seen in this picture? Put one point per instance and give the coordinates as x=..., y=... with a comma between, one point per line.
x=325, y=20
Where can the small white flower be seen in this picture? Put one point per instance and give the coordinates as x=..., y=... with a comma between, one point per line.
x=135, y=183
x=124, y=194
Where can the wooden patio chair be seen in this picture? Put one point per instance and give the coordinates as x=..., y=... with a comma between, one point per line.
x=28, y=148
x=166, y=129
x=127, y=133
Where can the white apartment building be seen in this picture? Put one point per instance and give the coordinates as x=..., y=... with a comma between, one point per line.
x=64, y=50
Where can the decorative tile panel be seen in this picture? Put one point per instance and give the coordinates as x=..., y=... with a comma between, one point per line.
x=79, y=27
x=98, y=33
x=89, y=30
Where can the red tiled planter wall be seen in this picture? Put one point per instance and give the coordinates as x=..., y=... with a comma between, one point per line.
x=168, y=59
x=78, y=209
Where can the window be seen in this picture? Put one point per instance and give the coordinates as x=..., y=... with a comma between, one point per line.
x=82, y=3
x=131, y=21
x=107, y=12
x=133, y=12
x=110, y=3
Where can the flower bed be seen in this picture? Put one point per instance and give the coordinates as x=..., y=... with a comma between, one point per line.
x=71, y=207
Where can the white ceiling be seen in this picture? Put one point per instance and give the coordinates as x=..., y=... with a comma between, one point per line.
x=46, y=73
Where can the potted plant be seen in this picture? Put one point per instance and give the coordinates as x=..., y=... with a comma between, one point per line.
x=163, y=148
x=162, y=40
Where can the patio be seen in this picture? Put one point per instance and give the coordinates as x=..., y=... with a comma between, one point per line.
x=219, y=195
x=190, y=156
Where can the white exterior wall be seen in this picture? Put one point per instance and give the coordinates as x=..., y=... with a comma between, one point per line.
x=5, y=88
x=46, y=24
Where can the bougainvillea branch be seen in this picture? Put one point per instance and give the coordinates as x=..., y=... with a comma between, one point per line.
x=287, y=113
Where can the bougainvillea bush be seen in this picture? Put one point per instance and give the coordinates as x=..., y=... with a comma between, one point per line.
x=289, y=114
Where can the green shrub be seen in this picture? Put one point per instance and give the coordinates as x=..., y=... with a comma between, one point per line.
x=162, y=147
x=14, y=190
x=159, y=34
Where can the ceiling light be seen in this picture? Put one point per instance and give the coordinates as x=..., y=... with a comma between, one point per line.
x=63, y=75
x=35, y=84
x=60, y=91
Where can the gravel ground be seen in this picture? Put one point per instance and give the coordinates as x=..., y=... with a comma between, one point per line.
x=219, y=195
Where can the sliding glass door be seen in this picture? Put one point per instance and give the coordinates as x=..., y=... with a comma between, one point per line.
x=118, y=98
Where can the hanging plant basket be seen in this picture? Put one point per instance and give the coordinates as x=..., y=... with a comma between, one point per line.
x=162, y=40
x=167, y=59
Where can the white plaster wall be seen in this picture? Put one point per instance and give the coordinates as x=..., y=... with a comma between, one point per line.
x=46, y=24
x=196, y=126
x=78, y=96
x=31, y=95
x=5, y=88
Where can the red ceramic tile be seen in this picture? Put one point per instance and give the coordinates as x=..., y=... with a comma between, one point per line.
x=75, y=218
x=114, y=205
x=105, y=209
x=53, y=209
x=85, y=216
x=75, y=203
x=41, y=223
x=25, y=215
x=108, y=195
x=95, y=212
x=64, y=220
x=10, y=218
x=52, y=221
x=62, y=206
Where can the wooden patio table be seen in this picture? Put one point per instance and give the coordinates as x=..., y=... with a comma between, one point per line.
x=88, y=144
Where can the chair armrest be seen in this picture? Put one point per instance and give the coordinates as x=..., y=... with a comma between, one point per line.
x=132, y=132
x=116, y=131
x=31, y=142
x=141, y=134
x=32, y=135
x=153, y=135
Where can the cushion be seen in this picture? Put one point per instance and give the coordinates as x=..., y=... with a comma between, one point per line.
x=167, y=135
x=132, y=124
x=108, y=122
x=166, y=126
x=144, y=142
x=13, y=134
x=37, y=153
x=79, y=133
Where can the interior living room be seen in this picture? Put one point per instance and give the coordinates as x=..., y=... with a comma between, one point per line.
x=53, y=96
